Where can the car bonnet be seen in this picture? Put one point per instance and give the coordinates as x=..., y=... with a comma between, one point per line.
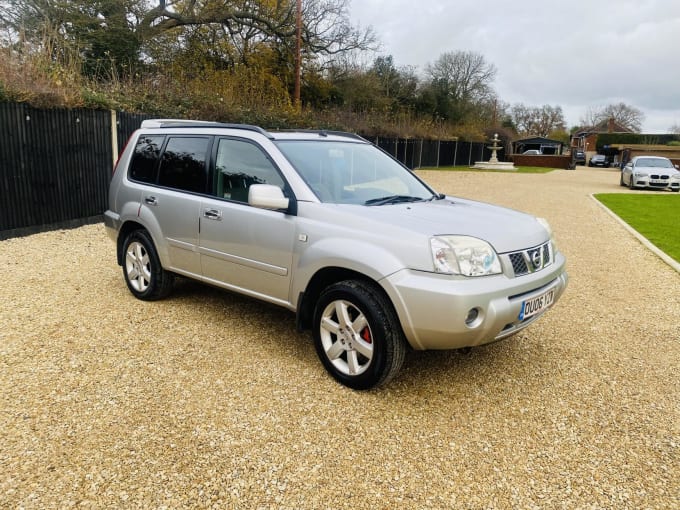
x=505, y=229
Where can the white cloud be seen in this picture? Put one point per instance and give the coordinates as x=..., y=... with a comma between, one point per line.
x=576, y=54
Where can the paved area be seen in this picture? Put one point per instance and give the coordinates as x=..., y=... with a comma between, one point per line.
x=211, y=400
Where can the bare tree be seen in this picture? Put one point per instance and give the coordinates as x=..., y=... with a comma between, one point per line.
x=623, y=114
x=326, y=27
x=464, y=75
x=459, y=81
x=537, y=121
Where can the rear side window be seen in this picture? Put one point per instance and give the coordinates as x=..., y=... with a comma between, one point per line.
x=183, y=164
x=145, y=159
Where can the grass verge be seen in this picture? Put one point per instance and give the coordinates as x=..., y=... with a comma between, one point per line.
x=520, y=169
x=654, y=216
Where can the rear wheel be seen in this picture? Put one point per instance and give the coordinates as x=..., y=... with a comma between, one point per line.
x=357, y=335
x=142, y=270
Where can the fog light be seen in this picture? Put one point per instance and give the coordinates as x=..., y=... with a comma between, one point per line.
x=472, y=318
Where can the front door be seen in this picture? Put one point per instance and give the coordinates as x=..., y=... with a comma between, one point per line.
x=245, y=248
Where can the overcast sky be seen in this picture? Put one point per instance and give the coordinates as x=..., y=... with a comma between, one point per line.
x=576, y=54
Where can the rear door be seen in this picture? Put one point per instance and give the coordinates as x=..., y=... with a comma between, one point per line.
x=172, y=208
x=245, y=248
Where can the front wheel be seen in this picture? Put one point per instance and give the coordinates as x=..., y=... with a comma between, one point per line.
x=142, y=270
x=357, y=335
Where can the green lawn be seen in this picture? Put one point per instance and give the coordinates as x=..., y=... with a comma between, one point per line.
x=657, y=217
x=520, y=169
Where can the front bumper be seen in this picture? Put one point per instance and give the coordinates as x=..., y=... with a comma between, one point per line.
x=646, y=181
x=433, y=308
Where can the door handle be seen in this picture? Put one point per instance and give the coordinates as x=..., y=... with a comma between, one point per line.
x=151, y=200
x=212, y=214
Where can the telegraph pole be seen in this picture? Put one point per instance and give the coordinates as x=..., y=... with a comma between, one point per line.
x=298, y=56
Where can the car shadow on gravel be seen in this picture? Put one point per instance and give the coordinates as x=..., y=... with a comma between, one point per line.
x=453, y=366
x=224, y=309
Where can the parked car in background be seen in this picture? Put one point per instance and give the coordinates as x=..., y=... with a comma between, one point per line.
x=599, y=160
x=369, y=257
x=579, y=158
x=532, y=152
x=654, y=172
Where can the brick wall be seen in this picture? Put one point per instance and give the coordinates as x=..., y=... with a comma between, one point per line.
x=563, y=162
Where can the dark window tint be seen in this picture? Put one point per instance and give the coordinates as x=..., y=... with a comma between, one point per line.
x=143, y=166
x=240, y=164
x=183, y=164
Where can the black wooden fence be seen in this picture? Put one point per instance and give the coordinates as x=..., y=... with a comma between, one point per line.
x=418, y=153
x=56, y=165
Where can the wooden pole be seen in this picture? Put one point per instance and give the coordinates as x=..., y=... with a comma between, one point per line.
x=298, y=56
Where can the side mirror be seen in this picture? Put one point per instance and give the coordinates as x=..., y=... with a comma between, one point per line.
x=267, y=196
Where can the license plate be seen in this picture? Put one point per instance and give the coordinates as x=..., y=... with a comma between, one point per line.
x=657, y=181
x=532, y=306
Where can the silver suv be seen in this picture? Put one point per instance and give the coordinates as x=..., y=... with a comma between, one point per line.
x=325, y=224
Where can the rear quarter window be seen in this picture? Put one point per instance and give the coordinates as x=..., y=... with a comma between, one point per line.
x=145, y=158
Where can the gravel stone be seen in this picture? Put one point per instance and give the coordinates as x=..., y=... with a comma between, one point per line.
x=211, y=400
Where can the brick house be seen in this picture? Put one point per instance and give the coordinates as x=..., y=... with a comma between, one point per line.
x=585, y=139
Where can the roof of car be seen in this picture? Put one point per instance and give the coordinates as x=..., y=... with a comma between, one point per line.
x=305, y=134
x=301, y=134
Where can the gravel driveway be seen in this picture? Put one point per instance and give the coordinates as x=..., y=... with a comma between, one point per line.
x=208, y=399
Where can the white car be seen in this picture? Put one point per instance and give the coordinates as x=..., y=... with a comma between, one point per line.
x=653, y=172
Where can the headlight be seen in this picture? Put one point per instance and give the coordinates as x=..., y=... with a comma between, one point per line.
x=467, y=256
x=544, y=223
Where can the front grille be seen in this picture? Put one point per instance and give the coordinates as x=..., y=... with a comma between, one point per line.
x=664, y=177
x=531, y=260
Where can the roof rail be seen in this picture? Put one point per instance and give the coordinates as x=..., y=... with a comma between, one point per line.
x=325, y=132
x=182, y=123
x=156, y=123
x=355, y=136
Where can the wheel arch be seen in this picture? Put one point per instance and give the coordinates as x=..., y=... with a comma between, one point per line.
x=322, y=279
x=125, y=230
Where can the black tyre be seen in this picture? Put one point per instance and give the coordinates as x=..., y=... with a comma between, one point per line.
x=631, y=183
x=621, y=183
x=357, y=335
x=142, y=270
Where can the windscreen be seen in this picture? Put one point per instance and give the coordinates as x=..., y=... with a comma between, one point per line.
x=655, y=163
x=352, y=173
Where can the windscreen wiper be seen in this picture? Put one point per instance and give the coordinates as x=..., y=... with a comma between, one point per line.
x=393, y=199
